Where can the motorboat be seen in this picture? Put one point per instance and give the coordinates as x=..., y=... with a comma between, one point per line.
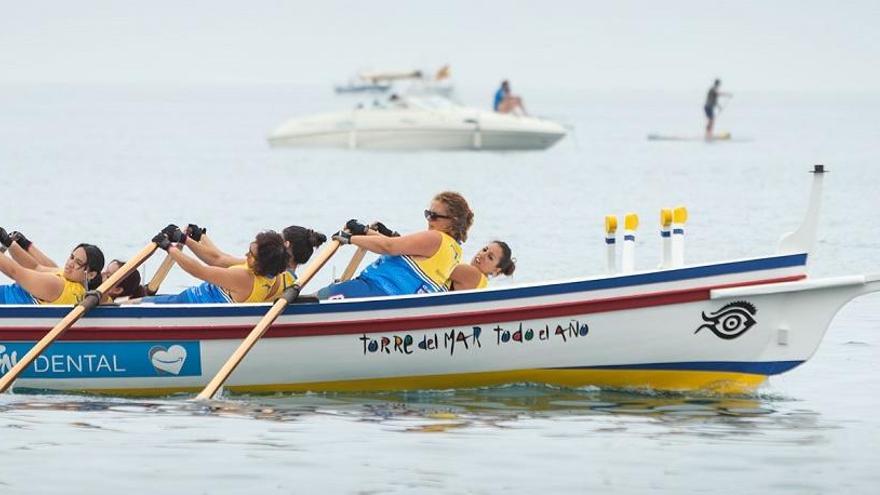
x=720, y=327
x=413, y=123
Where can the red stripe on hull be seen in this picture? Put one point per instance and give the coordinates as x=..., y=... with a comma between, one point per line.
x=214, y=332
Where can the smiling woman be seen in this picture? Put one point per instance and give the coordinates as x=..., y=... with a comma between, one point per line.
x=410, y=264
x=41, y=283
x=493, y=260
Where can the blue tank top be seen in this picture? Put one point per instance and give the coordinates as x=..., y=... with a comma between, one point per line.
x=15, y=294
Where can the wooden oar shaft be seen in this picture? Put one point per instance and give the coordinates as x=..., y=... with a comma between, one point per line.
x=160, y=275
x=353, y=264
x=91, y=300
x=289, y=296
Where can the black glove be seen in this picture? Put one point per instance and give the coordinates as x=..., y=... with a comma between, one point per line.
x=22, y=241
x=177, y=236
x=162, y=241
x=355, y=227
x=5, y=239
x=382, y=229
x=342, y=236
x=169, y=229
x=194, y=231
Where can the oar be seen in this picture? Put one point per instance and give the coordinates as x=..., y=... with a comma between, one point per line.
x=353, y=264
x=159, y=277
x=91, y=300
x=289, y=295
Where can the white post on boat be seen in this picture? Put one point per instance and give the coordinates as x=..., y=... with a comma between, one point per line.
x=666, y=236
x=611, y=243
x=630, y=224
x=679, y=217
x=803, y=239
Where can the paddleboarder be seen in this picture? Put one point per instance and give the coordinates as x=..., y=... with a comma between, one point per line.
x=711, y=105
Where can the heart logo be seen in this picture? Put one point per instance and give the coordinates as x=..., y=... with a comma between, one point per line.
x=168, y=360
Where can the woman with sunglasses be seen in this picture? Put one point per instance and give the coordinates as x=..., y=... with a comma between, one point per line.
x=300, y=243
x=493, y=260
x=409, y=264
x=259, y=279
x=38, y=283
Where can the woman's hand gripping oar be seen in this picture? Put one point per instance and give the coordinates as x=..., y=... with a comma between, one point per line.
x=287, y=297
x=91, y=300
x=361, y=252
x=194, y=232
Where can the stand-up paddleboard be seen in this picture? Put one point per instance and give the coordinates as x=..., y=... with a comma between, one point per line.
x=722, y=136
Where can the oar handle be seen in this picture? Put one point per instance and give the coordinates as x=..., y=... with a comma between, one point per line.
x=159, y=277
x=290, y=294
x=353, y=264
x=90, y=301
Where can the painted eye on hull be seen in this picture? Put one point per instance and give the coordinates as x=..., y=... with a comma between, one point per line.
x=730, y=321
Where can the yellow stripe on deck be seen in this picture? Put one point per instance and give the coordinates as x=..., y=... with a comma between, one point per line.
x=660, y=380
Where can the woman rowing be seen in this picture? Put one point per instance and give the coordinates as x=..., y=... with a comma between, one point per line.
x=300, y=243
x=129, y=287
x=38, y=283
x=493, y=260
x=259, y=279
x=413, y=263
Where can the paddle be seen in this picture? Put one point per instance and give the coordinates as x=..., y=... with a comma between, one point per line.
x=353, y=264
x=162, y=272
x=91, y=300
x=289, y=295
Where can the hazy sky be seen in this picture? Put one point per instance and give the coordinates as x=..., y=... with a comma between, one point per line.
x=767, y=44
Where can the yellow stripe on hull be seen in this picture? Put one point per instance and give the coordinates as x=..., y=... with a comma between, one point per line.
x=715, y=382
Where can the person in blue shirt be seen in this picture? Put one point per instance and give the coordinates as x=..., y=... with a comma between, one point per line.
x=505, y=102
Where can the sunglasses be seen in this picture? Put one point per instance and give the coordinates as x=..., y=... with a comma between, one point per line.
x=430, y=215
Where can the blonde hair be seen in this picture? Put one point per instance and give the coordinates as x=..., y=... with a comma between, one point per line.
x=462, y=216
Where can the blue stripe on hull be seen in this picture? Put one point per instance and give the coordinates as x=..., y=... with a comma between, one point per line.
x=756, y=368
x=449, y=298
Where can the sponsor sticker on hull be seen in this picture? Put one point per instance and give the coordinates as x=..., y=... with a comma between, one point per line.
x=106, y=360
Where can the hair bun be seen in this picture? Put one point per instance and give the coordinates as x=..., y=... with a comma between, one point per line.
x=316, y=238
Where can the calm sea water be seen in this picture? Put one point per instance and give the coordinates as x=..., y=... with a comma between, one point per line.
x=111, y=165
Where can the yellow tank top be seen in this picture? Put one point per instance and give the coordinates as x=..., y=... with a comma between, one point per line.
x=72, y=293
x=262, y=289
x=288, y=278
x=439, y=267
x=481, y=284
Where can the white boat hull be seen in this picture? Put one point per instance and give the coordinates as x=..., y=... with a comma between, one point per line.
x=643, y=330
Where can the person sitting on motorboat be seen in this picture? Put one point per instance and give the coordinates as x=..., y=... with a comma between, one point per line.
x=300, y=243
x=505, y=102
x=493, y=260
x=409, y=264
x=38, y=283
x=258, y=280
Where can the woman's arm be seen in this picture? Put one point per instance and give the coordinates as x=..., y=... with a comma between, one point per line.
x=465, y=277
x=22, y=257
x=238, y=282
x=210, y=254
x=424, y=243
x=42, y=285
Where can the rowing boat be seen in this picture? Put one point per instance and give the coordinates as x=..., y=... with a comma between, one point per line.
x=721, y=327
x=722, y=136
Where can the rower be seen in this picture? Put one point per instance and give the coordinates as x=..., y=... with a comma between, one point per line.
x=492, y=260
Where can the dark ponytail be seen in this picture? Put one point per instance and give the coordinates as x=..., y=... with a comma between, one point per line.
x=506, y=264
x=302, y=242
x=94, y=263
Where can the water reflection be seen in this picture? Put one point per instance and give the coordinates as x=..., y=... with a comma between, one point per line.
x=438, y=410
